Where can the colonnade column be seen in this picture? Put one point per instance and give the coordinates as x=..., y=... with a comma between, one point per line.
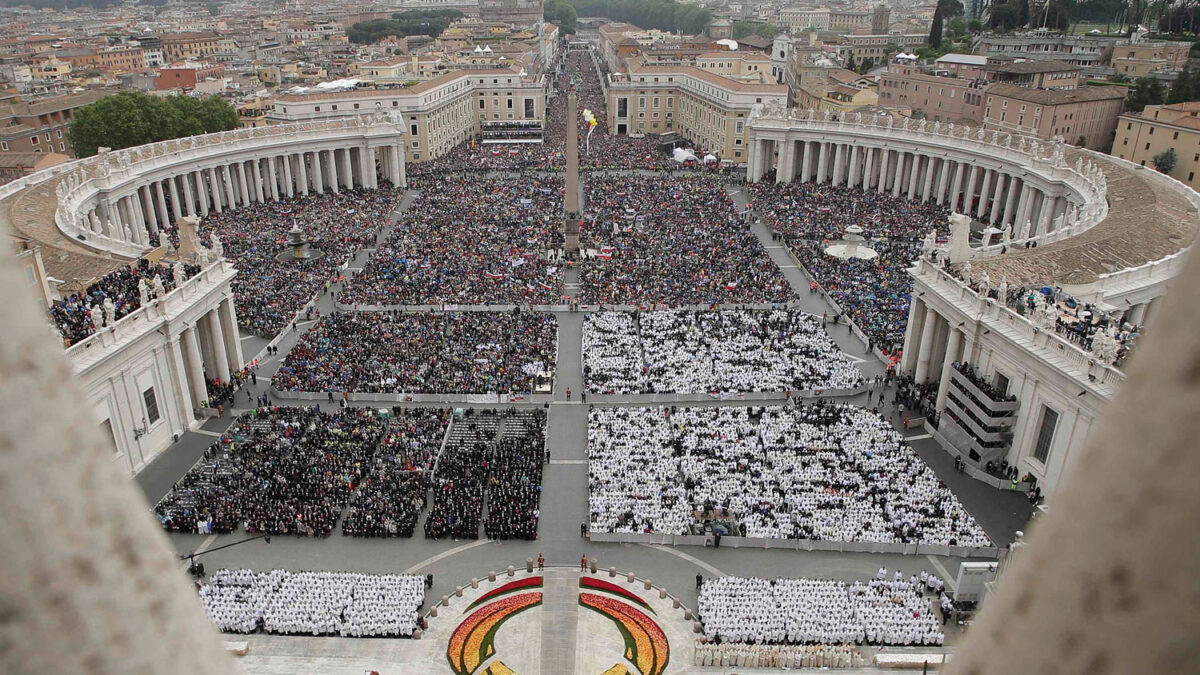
x=997, y=197
x=969, y=195
x=898, y=179
x=927, y=190
x=241, y=179
x=216, y=190
x=824, y=151
x=289, y=183
x=914, y=174
x=807, y=162
x=347, y=168
x=188, y=199
x=218, y=345
x=943, y=180
x=302, y=171
x=947, y=365
x=257, y=179
x=318, y=177
x=201, y=193
x=868, y=169
x=1046, y=216
x=147, y=201
x=273, y=178
x=783, y=169
x=233, y=342
x=983, y=194
x=1009, y=212
x=885, y=161
x=852, y=179
x=1023, y=207
x=956, y=188
x=839, y=157
x=195, y=366
x=923, y=353
x=183, y=393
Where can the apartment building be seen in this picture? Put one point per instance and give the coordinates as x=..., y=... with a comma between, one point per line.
x=439, y=113
x=708, y=109
x=41, y=125
x=1085, y=116
x=185, y=46
x=1139, y=59
x=1158, y=128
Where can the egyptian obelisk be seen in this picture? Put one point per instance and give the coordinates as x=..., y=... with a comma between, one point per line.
x=571, y=201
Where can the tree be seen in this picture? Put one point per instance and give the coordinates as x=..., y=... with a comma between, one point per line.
x=134, y=118
x=1023, y=15
x=1004, y=17
x=561, y=14
x=412, y=22
x=1146, y=91
x=743, y=29
x=1184, y=89
x=935, y=29
x=957, y=28
x=1165, y=161
x=661, y=14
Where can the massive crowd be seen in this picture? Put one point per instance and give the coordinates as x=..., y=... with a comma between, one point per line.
x=874, y=293
x=468, y=240
x=671, y=240
x=269, y=292
x=575, y=73
x=439, y=353
x=116, y=294
x=820, y=472
x=276, y=471
x=817, y=611
x=314, y=603
x=390, y=498
x=492, y=455
x=706, y=351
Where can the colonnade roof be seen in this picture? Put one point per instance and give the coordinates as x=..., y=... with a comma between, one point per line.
x=30, y=214
x=1149, y=218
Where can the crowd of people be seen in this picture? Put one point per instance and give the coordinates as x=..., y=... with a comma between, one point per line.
x=268, y=292
x=492, y=455
x=671, y=240
x=576, y=73
x=470, y=240
x=116, y=295
x=276, y=471
x=389, y=500
x=436, y=353
x=679, y=351
x=874, y=293
x=1077, y=321
x=887, y=611
x=824, y=471
x=314, y=603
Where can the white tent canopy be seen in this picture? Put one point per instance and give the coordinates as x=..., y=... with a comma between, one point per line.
x=681, y=155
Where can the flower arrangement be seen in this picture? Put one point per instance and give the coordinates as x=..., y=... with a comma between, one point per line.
x=646, y=645
x=473, y=640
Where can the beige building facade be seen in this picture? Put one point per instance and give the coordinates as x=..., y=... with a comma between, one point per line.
x=1157, y=129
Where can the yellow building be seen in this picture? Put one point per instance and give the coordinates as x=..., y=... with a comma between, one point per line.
x=1139, y=59
x=1158, y=128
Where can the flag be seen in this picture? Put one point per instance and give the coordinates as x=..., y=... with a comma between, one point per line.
x=730, y=285
x=493, y=276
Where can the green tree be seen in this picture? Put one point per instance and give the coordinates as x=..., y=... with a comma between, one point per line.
x=412, y=22
x=1023, y=13
x=957, y=28
x=1004, y=17
x=134, y=118
x=661, y=14
x=1184, y=88
x=1146, y=91
x=213, y=8
x=561, y=14
x=1165, y=161
x=935, y=29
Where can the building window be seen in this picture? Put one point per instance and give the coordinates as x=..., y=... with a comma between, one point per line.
x=1191, y=176
x=4, y=145
x=151, y=405
x=62, y=145
x=1041, y=450
x=1002, y=382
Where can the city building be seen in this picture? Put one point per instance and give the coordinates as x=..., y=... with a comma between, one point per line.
x=439, y=113
x=514, y=12
x=1085, y=116
x=186, y=75
x=41, y=125
x=1142, y=58
x=189, y=46
x=1160, y=128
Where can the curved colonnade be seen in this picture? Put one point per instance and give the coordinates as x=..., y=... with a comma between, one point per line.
x=145, y=374
x=1108, y=232
x=997, y=178
x=119, y=199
